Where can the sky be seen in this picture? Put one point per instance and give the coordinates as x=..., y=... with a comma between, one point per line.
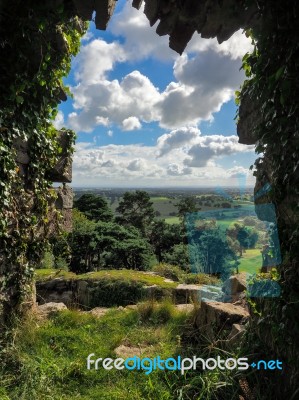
x=146, y=117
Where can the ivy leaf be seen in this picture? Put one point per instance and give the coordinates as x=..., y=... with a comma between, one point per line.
x=19, y=99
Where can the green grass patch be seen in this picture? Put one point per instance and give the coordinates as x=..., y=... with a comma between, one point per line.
x=172, y=220
x=49, y=359
x=114, y=274
x=159, y=198
x=251, y=261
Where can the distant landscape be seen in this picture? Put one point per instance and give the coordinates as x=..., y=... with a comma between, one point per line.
x=225, y=205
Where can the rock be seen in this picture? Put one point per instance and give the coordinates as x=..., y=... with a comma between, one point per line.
x=62, y=171
x=48, y=309
x=184, y=293
x=236, y=333
x=168, y=280
x=235, y=284
x=187, y=308
x=64, y=197
x=98, y=311
x=214, y=316
x=132, y=307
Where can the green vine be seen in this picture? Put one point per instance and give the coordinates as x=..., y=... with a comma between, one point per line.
x=31, y=87
x=272, y=71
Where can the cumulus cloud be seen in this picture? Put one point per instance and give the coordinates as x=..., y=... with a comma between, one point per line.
x=59, y=120
x=176, y=139
x=210, y=147
x=131, y=123
x=96, y=59
x=136, y=165
x=141, y=40
x=235, y=47
x=187, y=164
x=204, y=83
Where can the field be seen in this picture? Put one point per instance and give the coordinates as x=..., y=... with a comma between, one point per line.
x=251, y=261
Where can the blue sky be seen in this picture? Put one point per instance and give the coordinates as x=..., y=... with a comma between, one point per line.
x=145, y=116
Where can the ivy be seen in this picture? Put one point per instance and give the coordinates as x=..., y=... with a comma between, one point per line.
x=31, y=86
x=272, y=71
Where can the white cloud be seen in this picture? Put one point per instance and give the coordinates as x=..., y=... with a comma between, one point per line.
x=59, y=120
x=235, y=47
x=96, y=59
x=176, y=139
x=131, y=123
x=188, y=164
x=110, y=133
x=141, y=40
x=137, y=165
x=203, y=84
x=210, y=147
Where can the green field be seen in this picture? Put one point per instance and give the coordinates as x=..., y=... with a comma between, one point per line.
x=172, y=220
x=251, y=261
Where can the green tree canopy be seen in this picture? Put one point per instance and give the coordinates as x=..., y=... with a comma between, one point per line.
x=137, y=210
x=94, y=207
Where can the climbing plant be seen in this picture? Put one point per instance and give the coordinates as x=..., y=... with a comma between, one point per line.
x=272, y=71
x=36, y=48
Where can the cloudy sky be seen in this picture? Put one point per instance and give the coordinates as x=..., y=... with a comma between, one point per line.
x=147, y=117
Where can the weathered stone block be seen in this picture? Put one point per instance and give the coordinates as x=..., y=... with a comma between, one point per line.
x=214, y=316
x=65, y=197
x=62, y=172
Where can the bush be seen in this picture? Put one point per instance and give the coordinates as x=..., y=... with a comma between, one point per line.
x=47, y=261
x=168, y=271
x=200, y=279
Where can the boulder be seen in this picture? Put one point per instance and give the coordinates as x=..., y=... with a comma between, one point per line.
x=48, y=309
x=184, y=293
x=236, y=333
x=214, y=316
x=98, y=311
x=186, y=308
x=235, y=284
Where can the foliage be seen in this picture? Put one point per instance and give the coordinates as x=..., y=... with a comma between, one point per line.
x=49, y=358
x=94, y=207
x=137, y=210
x=187, y=205
x=180, y=255
x=163, y=237
x=169, y=271
x=31, y=87
x=214, y=253
x=106, y=244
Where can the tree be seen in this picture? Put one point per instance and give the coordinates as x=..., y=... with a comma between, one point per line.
x=94, y=207
x=179, y=255
x=245, y=236
x=186, y=205
x=164, y=236
x=137, y=210
x=106, y=245
x=215, y=253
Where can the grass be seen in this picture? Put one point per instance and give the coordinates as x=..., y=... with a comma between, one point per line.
x=251, y=261
x=159, y=198
x=172, y=220
x=115, y=274
x=48, y=360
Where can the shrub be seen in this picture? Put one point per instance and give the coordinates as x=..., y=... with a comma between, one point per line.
x=168, y=271
x=200, y=279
